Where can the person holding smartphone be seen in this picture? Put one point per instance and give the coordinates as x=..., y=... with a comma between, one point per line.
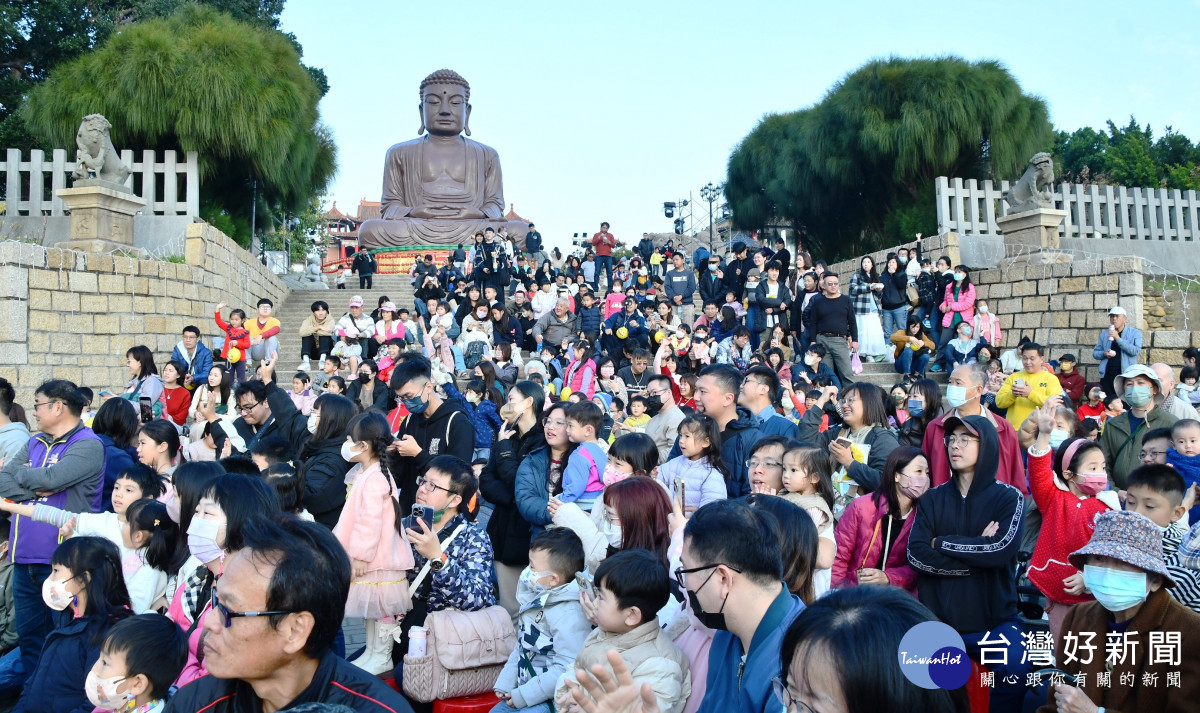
x=1029, y=388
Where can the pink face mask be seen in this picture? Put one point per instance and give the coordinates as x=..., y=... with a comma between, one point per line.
x=1091, y=483
x=612, y=475
x=916, y=487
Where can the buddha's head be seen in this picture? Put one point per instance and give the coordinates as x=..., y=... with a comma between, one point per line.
x=445, y=104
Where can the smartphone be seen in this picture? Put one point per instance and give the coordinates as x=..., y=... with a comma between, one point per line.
x=147, y=410
x=845, y=442
x=681, y=489
x=1018, y=382
x=419, y=512
x=584, y=580
x=106, y=392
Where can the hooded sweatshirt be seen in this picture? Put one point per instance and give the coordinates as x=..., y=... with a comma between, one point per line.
x=966, y=579
x=447, y=431
x=551, y=629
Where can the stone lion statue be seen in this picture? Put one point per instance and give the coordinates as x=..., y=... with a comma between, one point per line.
x=95, y=156
x=1031, y=192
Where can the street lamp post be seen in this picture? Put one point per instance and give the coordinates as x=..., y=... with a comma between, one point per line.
x=710, y=193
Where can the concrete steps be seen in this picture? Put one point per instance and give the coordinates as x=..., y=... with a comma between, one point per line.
x=297, y=308
x=884, y=375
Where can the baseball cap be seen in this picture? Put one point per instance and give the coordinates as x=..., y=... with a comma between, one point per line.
x=1069, y=357
x=356, y=301
x=1118, y=310
x=954, y=422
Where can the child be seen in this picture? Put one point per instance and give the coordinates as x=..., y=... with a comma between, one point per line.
x=1157, y=491
x=1186, y=388
x=410, y=326
x=342, y=276
x=1068, y=487
x=203, y=448
x=604, y=401
x=387, y=362
x=329, y=369
x=1094, y=407
x=336, y=385
x=590, y=320
x=236, y=349
x=699, y=470
x=1072, y=381
x=614, y=302
x=85, y=578
x=732, y=302
x=1184, y=456
x=551, y=625
x=987, y=325
x=290, y=489
x=543, y=300
x=631, y=454
x=269, y=451
x=139, y=660
x=302, y=396
x=1113, y=407
x=369, y=530
x=1089, y=429
x=637, y=420
x=482, y=411
x=581, y=481
x=808, y=480
x=580, y=375
x=630, y=588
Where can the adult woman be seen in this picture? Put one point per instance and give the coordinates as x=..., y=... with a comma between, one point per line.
x=116, y=425
x=320, y=465
x=664, y=319
x=723, y=329
x=608, y=382
x=798, y=535
x=863, y=286
x=872, y=535
x=770, y=302
x=807, y=291
x=924, y=405
x=864, y=413
x=217, y=387
x=467, y=304
x=506, y=368
x=214, y=532
x=987, y=353
x=539, y=477
x=573, y=268
x=516, y=440
x=784, y=340
x=914, y=348
x=145, y=381
x=487, y=371
x=634, y=514
x=476, y=328
x=387, y=327
x=840, y=655
x=958, y=305
x=545, y=273
x=367, y=391
x=505, y=331
x=176, y=398
x=556, y=260
x=893, y=297
x=779, y=364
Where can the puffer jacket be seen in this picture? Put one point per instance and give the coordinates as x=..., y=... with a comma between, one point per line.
x=532, y=489
x=323, y=470
x=735, y=451
x=861, y=535
x=963, y=305
x=70, y=651
x=551, y=629
x=507, y=529
x=651, y=656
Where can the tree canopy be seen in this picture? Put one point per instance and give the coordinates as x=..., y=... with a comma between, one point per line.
x=199, y=80
x=1127, y=156
x=856, y=169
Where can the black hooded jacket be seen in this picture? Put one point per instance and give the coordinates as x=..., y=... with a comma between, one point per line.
x=967, y=580
x=447, y=431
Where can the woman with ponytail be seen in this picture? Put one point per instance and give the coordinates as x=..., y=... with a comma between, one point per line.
x=369, y=530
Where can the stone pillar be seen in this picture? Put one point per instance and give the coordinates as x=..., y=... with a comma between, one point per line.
x=1033, y=228
x=101, y=218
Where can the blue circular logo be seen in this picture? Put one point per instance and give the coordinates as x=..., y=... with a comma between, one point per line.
x=932, y=655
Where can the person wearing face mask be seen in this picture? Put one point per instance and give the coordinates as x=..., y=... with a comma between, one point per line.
x=1123, y=567
x=987, y=324
x=731, y=567
x=924, y=406
x=963, y=349
x=367, y=391
x=1068, y=484
x=139, y=660
x=319, y=462
x=1122, y=436
x=665, y=415
x=1069, y=378
x=484, y=414
x=872, y=535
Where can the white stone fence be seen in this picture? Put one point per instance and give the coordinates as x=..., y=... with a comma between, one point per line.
x=971, y=207
x=169, y=186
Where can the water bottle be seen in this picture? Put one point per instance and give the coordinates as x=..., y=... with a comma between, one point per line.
x=416, y=642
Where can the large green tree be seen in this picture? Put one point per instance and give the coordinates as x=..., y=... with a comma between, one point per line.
x=202, y=81
x=1127, y=156
x=858, y=167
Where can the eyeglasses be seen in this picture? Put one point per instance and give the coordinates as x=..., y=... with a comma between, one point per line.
x=789, y=703
x=247, y=409
x=751, y=465
x=229, y=615
x=1147, y=456
x=39, y=404
x=681, y=573
x=423, y=482
x=959, y=440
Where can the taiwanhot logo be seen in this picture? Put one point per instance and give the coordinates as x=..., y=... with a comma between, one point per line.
x=932, y=655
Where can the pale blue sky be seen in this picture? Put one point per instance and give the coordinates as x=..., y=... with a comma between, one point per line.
x=602, y=111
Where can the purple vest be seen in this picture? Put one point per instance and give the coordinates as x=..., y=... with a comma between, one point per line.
x=33, y=542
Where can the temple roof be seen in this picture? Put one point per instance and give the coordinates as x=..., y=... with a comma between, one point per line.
x=512, y=214
x=368, y=210
x=335, y=214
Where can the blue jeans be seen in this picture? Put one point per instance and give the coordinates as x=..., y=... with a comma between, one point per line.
x=603, y=262
x=893, y=320
x=31, y=616
x=1004, y=696
x=12, y=672
x=906, y=363
x=502, y=707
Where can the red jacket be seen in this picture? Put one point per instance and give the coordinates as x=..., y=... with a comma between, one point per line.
x=1073, y=384
x=1067, y=525
x=234, y=337
x=1009, y=470
x=177, y=402
x=861, y=536
x=603, y=242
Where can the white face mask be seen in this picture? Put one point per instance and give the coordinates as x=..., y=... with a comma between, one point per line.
x=102, y=692
x=612, y=533
x=55, y=594
x=809, y=359
x=313, y=419
x=983, y=309
x=348, y=452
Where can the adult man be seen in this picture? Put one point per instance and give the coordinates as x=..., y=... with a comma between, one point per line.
x=783, y=256
x=681, y=289
x=711, y=315
x=635, y=376
x=967, y=386
x=760, y=393
x=533, y=245
x=665, y=416
x=491, y=263
x=963, y=546
x=830, y=318
x=434, y=427
x=1117, y=348
x=256, y=421
x=65, y=460
x=364, y=264
x=450, y=277
x=556, y=325
x=603, y=243
x=424, y=269
x=716, y=396
x=459, y=259
x=631, y=321
x=191, y=352
x=1121, y=439
x=14, y=435
x=738, y=270
x=1171, y=403
x=1029, y=388
x=514, y=307
x=732, y=571
x=645, y=248
x=264, y=331
x=268, y=638
x=735, y=349
x=711, y=281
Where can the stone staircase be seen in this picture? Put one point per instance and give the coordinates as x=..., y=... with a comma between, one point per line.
x=884, y=375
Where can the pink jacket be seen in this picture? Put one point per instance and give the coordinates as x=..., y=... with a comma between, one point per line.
x=193, y=669
x=367, y=525
x=964, y=305
x=581, y=376
x=861, y=535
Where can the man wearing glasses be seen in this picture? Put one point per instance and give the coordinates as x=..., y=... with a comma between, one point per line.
x=732, y=571
x=760, y=393
x=256, y=421
x=269, y=634
x=665, y=416
x=62, y=465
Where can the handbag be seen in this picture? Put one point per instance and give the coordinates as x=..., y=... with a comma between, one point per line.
x=914, y=295
x=855, y=363
x=464, y=651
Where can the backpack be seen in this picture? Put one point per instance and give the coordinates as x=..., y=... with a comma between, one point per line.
x=473, y=354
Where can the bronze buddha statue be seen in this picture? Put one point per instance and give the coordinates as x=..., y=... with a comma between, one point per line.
x=443, y=187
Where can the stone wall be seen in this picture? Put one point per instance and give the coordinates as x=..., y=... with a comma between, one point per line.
x=73, y=315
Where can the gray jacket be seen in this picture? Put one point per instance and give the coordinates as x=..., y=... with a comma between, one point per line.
x=553, y=330
x=13, y=438
x=551, y=629
x=682, y=283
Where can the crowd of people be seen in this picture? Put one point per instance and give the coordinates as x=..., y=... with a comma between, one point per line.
x=658, y=508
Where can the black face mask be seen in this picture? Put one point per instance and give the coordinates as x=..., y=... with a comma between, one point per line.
x=654, y=404
x=716, y=621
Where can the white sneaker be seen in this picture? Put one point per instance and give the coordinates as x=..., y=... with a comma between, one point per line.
x=321, y=363
x=304, y=365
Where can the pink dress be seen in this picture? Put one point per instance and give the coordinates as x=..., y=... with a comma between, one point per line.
x=367, y=529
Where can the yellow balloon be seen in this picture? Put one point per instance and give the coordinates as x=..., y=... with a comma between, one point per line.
x=563, y=393
x=622, y=332
x=658, y=336
x=235, y=355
